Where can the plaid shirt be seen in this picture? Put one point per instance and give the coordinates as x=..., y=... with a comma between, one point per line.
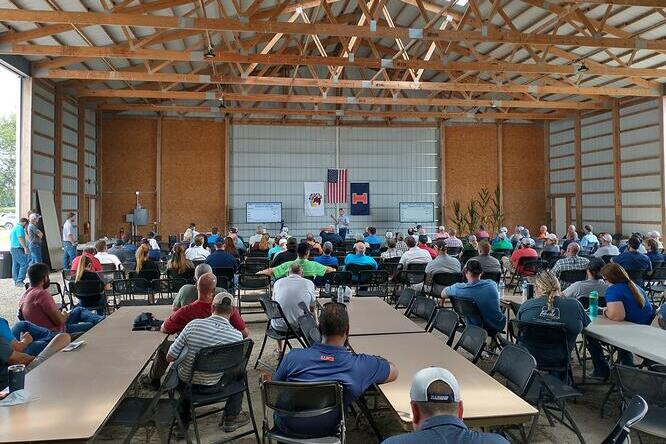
x=401, y=246
x=570, y=263
x=392, y=252
x=453, y=242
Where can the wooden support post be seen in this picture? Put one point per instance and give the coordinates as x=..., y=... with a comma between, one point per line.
x=25, y=152
x=98, y=171
x=662, y=163
x=158, y=174
x=617, y=168
x=579, y=180
x=500, y=163
x=57, y=149
x=226, y=150
x=546, y=160
x=442, y=170
x=81, y=172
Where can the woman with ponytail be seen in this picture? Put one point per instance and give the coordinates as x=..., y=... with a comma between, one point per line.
x=551, y=306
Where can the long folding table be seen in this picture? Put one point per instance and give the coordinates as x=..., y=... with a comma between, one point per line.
x=373, y=316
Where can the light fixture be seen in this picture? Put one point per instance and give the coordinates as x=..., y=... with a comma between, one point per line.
x=581, y=68
x=209, y=54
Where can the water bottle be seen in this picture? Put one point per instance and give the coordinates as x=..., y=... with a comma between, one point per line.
x=524, y=291
x=341, y=294
x=500, y=288
x=594, y=304
x=327, y=289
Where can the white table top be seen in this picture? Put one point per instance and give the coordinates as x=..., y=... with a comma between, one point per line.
x=486, y=401
x=643, y=340
x=373, y=316
x=77, y=391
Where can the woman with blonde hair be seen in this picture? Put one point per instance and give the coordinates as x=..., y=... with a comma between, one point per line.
x=550, y=306
x=84, y=272
x=145, y=267
x=262, y=245
x=179, y=266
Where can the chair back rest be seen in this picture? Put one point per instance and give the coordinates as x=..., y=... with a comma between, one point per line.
x=256, y=254
x=548, y=255
x=303, y=399
x=453, y=251
x=230, y=359
x=253, y=281
x=337, y=278
x=252, y=267
x=517, y=366
x=355, y=269
x=391, y=260
x=422, y=307
x=636, y=275
x=571, y=276
x=472, y=340
x=416, y=266
x=109, y=267
x=272, y=309
x=307, y=324
x=446, y=279
x=168, y=286
x=607, y=258
x=410, y=277
x=546, y=341
x=466, y=309
x=634, y=411
x=188, y=275
x=585, y=302
x=84, y=289
x=649, y=384
x=405, y=298
x=373, y=278
x=492, y=276
x=445, y=321
x=130, y=286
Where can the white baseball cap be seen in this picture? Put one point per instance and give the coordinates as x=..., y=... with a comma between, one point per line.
x=425, y=377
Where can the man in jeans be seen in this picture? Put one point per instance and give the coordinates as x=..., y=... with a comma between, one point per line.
x=68, y=241
x=19, y=251
x=35, y=236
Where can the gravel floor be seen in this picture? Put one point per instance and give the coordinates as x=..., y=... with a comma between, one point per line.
x=585, y=411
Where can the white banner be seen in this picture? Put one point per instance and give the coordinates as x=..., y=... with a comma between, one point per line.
x=314, y=199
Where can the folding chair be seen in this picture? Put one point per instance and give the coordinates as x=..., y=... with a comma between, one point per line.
x=526, y=267
x=649, y=385
x=355, y=270
x=422, y=307
x=441, y=280
x=633, y=412
x=495, y=276
x=125, y=292
x=302, y=401
x=273, y=312
x=417, y=267
x=231, y=361
x=568, y=277
x=373, y=283
x=549, y=255
x=406, y=278
x=164, y=290
x=473, y=341
x=252, y=287
x=607, y=258
x=91, y=295
x=225, y=277
x=307, y=326
x=405, y=298
x=188, y=276
x=109, y=267
x=444, y=321
x=453, y=251
x=466, y=309
x=332, y=281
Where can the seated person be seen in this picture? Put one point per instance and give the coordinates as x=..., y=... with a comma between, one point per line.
x=230, y=247
x=504, y=230
x=214, y=236
x=594, y=282
x=607, y=248
x=262, y=245
x=488, y=263
x=632, y=259
x=179, y=266
x=524, y=250
x=481, y=234
x=84, y=273
x=213, y=330
x=314, y=245
x=502, y=243
x=437, y=412
x=452, y=241
x=290, y=254
x=105, y=257
x=472, y=244
x=655, y=235
x=326, y=258
x=570, y=261
x=550, y=244
x=280, y=245
x=484, y=293
x=543, y=232
x=145, y=268
x=414, y=254
x=372, y=239
x=391, y=250
x=589, y=241
x=310, y=268
x=443, y=263
x=129, y=247
x=400, y=243
x=330, y=361
x=36, y=342
x=424, y=246
x=118, y=250
x=328, y=234
x=89, y=252
x=292, y=293
x=219, y=258
x=652, y=248
x=197, y=252
x=359, y=257
x=155, y=252
x=38, y=307
x=549, y=306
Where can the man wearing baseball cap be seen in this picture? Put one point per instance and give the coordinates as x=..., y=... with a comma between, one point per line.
x=437, y=412
x=525, y=249
x=607, y=248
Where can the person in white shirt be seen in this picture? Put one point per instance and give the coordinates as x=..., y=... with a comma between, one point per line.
x=152, y=242
x=293, y=293
x=104, y=257
x=606, y=248
x=69, y=241
x=256, y=238
x=197, y=252
x=190, y=233
x=414, y=255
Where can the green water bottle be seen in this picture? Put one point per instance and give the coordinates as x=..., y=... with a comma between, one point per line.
x=594, y=304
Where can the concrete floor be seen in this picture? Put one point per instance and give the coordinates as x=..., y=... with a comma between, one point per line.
x=585, y=411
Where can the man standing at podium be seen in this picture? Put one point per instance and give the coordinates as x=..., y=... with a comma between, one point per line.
x=342, y=222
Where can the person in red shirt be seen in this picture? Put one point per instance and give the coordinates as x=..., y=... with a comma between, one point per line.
x=481, y=234
x=524, y=250
x=423, y=246
x=89, y=252
x=176, y=322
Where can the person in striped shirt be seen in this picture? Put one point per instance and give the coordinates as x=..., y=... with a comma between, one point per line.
x=199, y=334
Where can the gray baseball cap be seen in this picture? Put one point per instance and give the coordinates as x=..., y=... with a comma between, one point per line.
x=425, y=377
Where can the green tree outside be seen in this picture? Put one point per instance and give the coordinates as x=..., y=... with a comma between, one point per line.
x=7, y=160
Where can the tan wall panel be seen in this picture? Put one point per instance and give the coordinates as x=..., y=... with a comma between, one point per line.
x=192, y=179
x=128, y=164
x=524, y=176
x=470, y=162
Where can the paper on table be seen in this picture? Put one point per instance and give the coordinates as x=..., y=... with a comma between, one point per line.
x=15, y=398
x=74, y=345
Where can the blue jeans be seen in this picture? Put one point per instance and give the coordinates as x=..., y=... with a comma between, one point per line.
x=343, y=233
x=35, y=253
x=20, y=262
x=40, y=336
x=601, y=367
x=69, y=254
x=81, y=319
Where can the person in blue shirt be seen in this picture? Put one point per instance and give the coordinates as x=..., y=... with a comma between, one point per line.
x=214, y=236
x=279, y=245
x=359, y=258
x=632, y=259
x=19, y=251
x=484, y=293
x=653, y=253
x=372, y=239
x=220, y=258
x=326, y=259
x=589, y=240
x=437, y=412
x=330, y=361
x=625, y=301
x=328, y=234
x=128, y=246
x=32, y=343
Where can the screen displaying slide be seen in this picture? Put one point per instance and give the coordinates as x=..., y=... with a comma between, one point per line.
x=412, y=212
x=262, y=212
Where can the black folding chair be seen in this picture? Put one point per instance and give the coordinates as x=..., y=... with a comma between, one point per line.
x=225, y=277
x=355, y=270
x=251, y=288
x=125, y=292
x=466, y=309
x=649, y=385
x=251, y=267
x=416, y=266
x=633, y=412
x=229, y=360
x=187, y=276
x=165, y=289
x=302, y=401
x=473, y=341
x=406, y=278
x=607, y=258
x=444, y=321
x=568, y=277
x=109, y=267
x=549, y=255
x=91, y=295
x=422, y=307
x=372, y=283
x=274, y=312
x=405, y=298
x=332, y=281
x=441, y=280
x=492, y=276
x=307, y=326
x=453, y=251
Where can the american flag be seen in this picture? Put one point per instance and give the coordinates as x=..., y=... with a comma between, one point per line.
x=337, y=186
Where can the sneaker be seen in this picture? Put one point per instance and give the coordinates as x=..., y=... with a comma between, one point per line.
x=149, y=383
x=19, y=284
x=235, y=423
x=178, y=433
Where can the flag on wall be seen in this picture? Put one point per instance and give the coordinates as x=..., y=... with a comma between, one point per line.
x=360, y=198
x=314, y=198
x=337, y=186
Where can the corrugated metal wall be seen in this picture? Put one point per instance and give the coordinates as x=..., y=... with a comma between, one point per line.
x=70, y=152
x=270, y=163
x=90, y=154
x=598, y=203
x=640, y=143
x=43, y=136
x=562, y=160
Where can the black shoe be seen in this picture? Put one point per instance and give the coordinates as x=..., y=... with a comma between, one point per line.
x=602, y=378
x=235, y=423
x=149, y=383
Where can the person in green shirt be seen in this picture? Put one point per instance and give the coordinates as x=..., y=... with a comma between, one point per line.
x=310, y=268
x=502, y=243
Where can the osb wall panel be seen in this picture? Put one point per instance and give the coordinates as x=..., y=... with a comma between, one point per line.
x=129, y=159
x=524, y=176
x=470, y=161
x=192, y=179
